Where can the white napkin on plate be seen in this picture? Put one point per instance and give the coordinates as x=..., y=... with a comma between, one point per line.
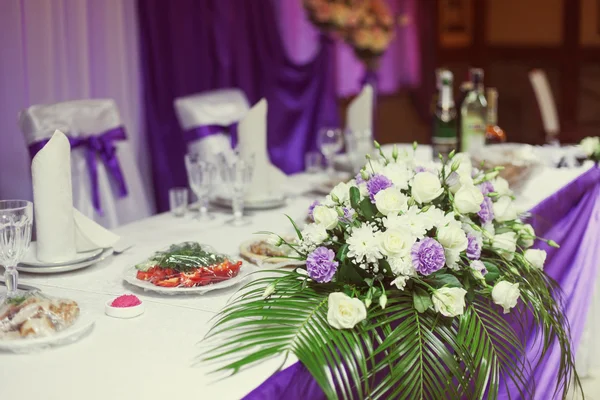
x=360, y=111
x=267, y=180
x=61, y=230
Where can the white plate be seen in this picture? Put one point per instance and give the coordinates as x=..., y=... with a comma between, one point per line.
x=130, y=277
x=65, y=268
x=252, y=205
x=264, y=261
x=31, y=258
x=82, y=325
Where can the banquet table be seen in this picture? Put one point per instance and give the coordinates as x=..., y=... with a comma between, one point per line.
x=156, y=355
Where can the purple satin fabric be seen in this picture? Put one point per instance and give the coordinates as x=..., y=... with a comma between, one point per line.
x=571, y=217
x=204, y=131
x=101, y=145
x=191, y=46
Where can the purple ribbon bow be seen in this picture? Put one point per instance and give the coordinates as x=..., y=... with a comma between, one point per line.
x=203, y=131
x=101, y=145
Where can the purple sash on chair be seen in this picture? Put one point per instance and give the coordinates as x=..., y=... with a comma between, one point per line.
x=203, y=131
x=101, y=145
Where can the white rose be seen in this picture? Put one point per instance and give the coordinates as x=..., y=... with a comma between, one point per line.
x=449, y=301
x=501, y=187
x=398, y=174
x=468, y=199
x=396, y=242
x=465, y=167
x=342, y=192
x=506, y=243
x=536, y=258
x=326, y=217
x=452, y=237
x=314, y=234
x=402, y=266
x=400, y=282
x=452, y=257
x=391, y=200
x=590, y=145
x=426, y=187
x=526, y=236
x=506, y=294
x=344, y=312
x=464, y=179
x=489, y=228
x=504, y=210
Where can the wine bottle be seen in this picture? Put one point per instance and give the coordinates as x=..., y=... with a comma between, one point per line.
x=493, y=133
x=473, y=114
x=444, y=136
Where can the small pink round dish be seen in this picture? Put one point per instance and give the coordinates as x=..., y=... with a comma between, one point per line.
x=125, y=306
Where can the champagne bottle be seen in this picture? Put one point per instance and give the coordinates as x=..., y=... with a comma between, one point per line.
x=493, y=133
x=473, y=114
x=444, y=137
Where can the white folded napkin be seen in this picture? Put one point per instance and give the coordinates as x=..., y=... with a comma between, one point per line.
x=360, y=111
x=267, y=179
x=61, y=230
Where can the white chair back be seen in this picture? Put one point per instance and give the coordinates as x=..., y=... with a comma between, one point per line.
x=80, y=119
x=546, y=104
x=205, y=118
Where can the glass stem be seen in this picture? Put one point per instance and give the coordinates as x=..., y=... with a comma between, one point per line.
x=11, y=277
x=203, y=206
x=238, y=207
x=330, y=169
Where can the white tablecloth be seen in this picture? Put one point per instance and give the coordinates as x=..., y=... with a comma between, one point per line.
x=154, y=356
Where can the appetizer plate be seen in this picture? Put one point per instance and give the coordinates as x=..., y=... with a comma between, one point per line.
x=31, y=260
x=79, y=329
x=264, y=204
x=266, y=261
x=104, y=253
x=130, y=277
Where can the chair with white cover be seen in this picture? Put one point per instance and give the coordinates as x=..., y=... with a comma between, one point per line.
x=107, y=185
x=546, y=104
x=208, y=118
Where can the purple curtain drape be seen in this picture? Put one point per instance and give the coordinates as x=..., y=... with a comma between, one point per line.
x=190, y=46
x=572, y=218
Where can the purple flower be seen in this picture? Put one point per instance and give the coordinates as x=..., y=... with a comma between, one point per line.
x=473, y=248
x=486, y=187
x=348, y=214
x=427, y=256
x=359, y=179
x=320, y=265
x=376, y=184
x=486, y=213
x=311, y=208
x=479, y=266
x=420, y=169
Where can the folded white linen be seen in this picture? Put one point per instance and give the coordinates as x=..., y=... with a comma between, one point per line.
x=360, y=111
x=61, y=230
x=267, y=180
x=53, y=200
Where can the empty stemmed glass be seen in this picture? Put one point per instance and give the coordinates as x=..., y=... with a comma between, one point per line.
x=330, y=141
x=201, y=177
x=237, y=176
x=358, y=143
x=16, y=219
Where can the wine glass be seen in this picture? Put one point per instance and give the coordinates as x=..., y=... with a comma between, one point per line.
x=16, y=219
x=237, y=175
x=358, y=144
x=201, y=176
x=330, y=141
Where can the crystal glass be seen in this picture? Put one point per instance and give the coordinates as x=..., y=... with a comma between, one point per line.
x=358, y=144
x=237, y=176
x=330, y=141
x=16, y=219
x=178, y=201
x=313, y=161
x=201, y=177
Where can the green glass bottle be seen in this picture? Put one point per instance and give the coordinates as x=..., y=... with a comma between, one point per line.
x=444, y=136
x=473, y=114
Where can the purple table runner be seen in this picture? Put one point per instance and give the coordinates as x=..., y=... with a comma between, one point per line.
x=571, y=217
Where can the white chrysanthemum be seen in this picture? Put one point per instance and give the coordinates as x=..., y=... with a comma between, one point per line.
x=400, y=282
x=398, y=174
x=411, y=219
x=312, y=236
x=402, y=266
x=432, y=217
x=363, y=244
